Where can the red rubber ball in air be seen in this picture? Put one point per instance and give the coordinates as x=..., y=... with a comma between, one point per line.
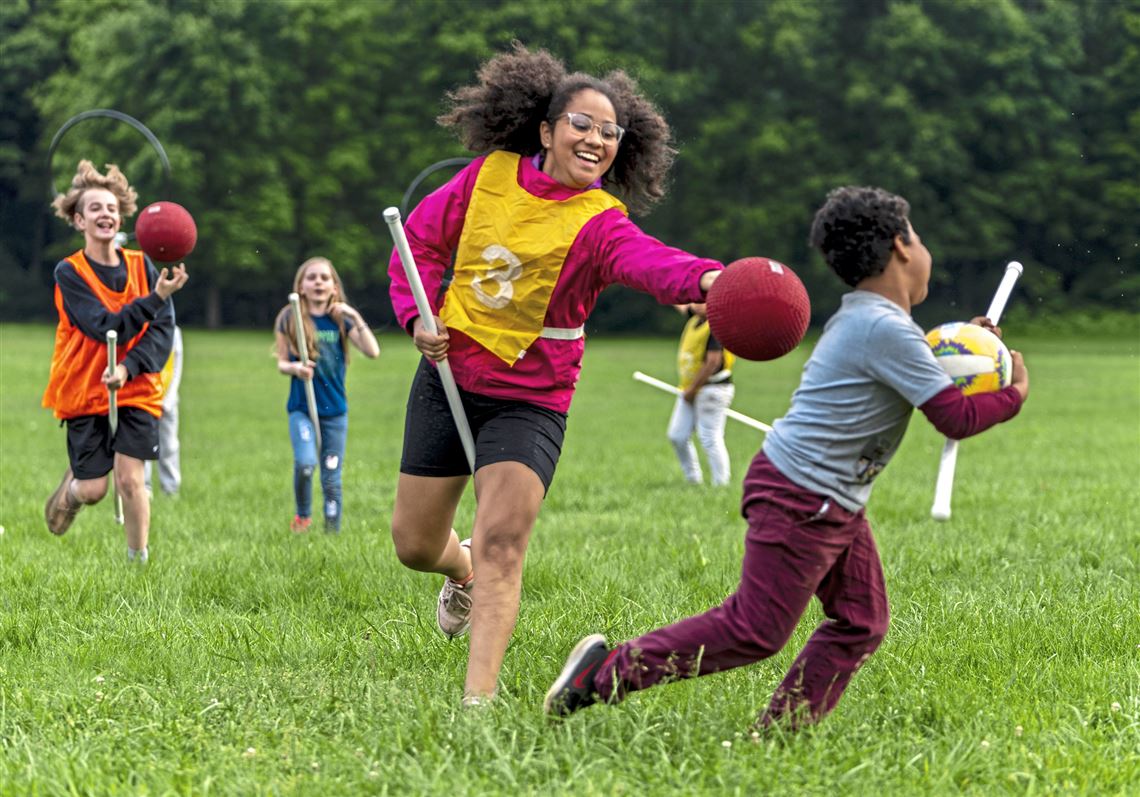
x=166, y=231
x=758, y=309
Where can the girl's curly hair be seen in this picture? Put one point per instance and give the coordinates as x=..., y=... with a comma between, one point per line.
x=519, y=90
x=87, y=177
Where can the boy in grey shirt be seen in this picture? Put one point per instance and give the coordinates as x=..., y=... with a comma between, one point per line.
x=805, y=490
x=870, y=369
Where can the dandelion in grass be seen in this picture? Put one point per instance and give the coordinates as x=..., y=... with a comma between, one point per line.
x=985, y=745
x=1115, y=706
x=726, y=744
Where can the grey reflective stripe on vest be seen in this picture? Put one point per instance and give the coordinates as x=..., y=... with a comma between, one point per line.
x=563, y=333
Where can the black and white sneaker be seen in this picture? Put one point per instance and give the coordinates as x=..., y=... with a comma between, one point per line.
x=574, y=688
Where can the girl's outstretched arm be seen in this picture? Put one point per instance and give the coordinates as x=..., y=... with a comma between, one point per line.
x=633, y=258
x=360, y=334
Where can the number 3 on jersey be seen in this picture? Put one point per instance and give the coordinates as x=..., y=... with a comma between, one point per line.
x=504, y=289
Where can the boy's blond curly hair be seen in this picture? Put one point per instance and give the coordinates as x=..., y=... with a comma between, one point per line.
x=86, y=177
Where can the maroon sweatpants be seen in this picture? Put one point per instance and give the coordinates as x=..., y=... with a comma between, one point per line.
x=798, y=544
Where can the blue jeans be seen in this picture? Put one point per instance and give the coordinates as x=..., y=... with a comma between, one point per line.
x=334, y=431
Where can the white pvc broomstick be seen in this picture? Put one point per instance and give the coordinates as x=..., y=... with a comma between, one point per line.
x=668, y=388
x=944, y=487
x=303, y=351
x=113, y=415
x=392, y=217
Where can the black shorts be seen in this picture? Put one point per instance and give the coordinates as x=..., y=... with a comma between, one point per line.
x=504, y=431
x=89, y=445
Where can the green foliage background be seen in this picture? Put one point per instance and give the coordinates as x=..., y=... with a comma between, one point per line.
x=1011, y=125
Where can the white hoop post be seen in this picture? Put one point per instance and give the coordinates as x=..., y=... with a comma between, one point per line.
x=944, y=485
x=668, y=388
x=396, y=228
x=113, y=418
x=303, y=351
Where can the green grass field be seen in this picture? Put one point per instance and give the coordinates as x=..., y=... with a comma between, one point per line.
x=246, y=660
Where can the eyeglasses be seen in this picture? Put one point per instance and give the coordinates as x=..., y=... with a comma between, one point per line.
x=611, y=133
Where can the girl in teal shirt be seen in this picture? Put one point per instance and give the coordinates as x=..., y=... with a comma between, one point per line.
x=330, y=323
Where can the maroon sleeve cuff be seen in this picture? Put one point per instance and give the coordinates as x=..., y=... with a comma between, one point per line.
x=958, y=416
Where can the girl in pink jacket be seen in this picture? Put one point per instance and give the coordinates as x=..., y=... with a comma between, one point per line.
x=535, y=238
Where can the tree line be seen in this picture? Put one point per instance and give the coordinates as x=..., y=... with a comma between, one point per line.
x=1012, y=126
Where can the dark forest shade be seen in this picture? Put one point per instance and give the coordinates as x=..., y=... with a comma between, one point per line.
x=1010, y=126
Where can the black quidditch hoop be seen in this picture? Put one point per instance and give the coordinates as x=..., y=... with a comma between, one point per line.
x=426, y=173
x=119, y=116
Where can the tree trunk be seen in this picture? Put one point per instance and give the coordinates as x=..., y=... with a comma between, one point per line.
x=213, y=307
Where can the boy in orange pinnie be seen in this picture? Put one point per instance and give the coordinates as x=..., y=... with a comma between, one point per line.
x=99, y=288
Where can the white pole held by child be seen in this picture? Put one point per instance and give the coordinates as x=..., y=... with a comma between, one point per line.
x=944, y=486
x=113, y=416
x=392, y=217
x=747, y=420
x=303, y=352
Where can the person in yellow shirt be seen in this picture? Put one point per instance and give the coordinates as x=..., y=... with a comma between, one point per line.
x=705, y=371
x=169, y=449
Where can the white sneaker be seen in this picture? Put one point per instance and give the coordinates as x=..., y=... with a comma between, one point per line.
x=454, y=610
x=476, y=701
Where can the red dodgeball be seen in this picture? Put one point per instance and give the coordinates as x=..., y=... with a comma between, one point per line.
x=758, y=309
x=166, y=231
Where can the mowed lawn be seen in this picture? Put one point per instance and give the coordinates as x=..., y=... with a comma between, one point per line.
x=246, y=660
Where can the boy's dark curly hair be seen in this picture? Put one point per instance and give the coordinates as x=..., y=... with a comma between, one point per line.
x=856, y=228
x=519, y=90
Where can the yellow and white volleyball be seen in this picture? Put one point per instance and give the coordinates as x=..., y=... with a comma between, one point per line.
x=974, y=357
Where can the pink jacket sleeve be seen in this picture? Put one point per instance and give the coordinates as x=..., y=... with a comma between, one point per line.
x=433, y=230
x=629, y=256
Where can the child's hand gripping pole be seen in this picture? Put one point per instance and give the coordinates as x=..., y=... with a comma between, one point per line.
x=303, y=352
x=392, y=217
x=113, y=416
x=944, y=487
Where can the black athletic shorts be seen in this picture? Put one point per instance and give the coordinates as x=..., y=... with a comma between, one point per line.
x=504, y=431
x=89, y=445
